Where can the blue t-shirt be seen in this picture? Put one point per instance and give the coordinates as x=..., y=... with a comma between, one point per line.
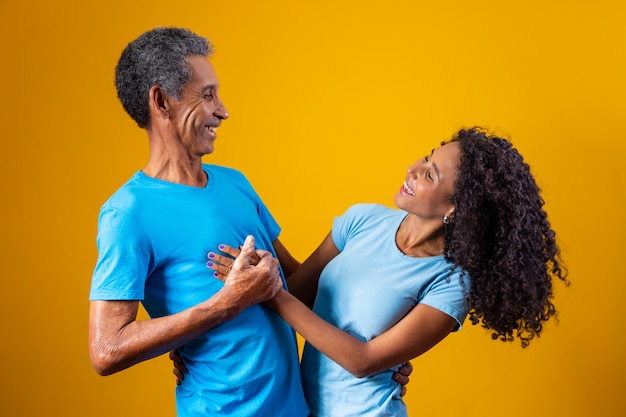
x=364, y=291
x=153, y=238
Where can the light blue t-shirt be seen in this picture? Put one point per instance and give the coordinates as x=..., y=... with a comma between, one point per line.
x=153, y=238
x=364, y=291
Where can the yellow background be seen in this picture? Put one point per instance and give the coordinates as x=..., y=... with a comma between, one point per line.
x=330, y=102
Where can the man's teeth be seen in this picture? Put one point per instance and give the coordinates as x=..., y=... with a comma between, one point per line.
x=407, y=189
x=212, y=128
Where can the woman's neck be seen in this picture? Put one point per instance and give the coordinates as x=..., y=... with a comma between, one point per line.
x=420, y=239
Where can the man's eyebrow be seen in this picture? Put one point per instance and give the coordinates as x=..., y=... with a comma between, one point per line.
x=208, y=87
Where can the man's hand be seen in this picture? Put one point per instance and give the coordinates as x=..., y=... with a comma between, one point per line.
x=252, y=278
x=117, y=340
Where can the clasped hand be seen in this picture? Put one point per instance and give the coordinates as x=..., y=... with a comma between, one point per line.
x=235, y=271
x=251, y=274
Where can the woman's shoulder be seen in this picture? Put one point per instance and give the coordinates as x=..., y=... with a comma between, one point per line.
x=371, y=209
x=370, y=215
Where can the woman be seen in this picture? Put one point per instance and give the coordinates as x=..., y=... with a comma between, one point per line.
x=470, y=235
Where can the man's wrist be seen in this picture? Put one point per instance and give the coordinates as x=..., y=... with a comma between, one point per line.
x=228, y=303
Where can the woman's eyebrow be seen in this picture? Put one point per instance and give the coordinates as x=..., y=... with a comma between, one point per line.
x=435, y=167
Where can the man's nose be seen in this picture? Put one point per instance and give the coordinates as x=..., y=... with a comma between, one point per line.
x=221, y=111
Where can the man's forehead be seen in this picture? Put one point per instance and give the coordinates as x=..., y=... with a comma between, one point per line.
x=202, y=71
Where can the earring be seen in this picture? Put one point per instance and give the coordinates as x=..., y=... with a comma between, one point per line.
x=446, y=220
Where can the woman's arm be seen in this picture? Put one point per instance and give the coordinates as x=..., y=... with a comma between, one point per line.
x=303, y=281
x=337, y=344
x=288, y=263
x=417, y=332
x=303, y=278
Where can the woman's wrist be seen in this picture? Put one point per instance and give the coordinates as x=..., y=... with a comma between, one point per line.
x=278, y=298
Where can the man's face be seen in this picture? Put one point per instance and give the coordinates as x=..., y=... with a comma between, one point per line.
x=199, y=112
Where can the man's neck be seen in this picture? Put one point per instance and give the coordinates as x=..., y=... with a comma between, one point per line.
x=179, y=172
x=170, y=161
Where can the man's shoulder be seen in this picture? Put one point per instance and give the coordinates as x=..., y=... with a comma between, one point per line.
x=128, y=194
x=220, y=171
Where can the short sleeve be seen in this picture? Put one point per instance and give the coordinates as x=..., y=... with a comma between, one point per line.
x=268, y=221
x=447, y=295
x=346, y=225
x=123, y=258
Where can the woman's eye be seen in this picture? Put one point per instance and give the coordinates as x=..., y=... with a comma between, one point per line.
x=429, y=175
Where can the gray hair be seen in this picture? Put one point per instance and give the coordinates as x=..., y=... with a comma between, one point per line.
x=156, y=57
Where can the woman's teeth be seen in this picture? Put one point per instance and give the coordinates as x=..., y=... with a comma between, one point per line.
x=407, y=189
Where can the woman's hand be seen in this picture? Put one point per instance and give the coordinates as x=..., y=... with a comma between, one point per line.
x=221, y=264
x=244, y=280
x=179, y=366
x=401, y=376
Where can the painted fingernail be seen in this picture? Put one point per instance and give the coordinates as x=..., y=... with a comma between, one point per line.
x=215, y=274
x=221, y=247
x=210, y=264
x=211, y=255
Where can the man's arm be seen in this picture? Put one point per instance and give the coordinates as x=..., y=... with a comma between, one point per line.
x=117, y=340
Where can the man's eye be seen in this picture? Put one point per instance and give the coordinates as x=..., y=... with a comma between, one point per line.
x=429, y=175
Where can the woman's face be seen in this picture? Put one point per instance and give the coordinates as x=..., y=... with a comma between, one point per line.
x=428, y=187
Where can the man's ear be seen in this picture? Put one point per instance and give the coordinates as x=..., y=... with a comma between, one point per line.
x=158, y=102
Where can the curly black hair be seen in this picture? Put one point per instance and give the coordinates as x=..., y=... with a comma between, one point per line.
x=500, y=235
x=157, y=57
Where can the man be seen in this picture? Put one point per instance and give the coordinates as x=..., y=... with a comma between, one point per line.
x=153, y=237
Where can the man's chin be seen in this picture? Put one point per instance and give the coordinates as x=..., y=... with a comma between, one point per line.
x=208, y=149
